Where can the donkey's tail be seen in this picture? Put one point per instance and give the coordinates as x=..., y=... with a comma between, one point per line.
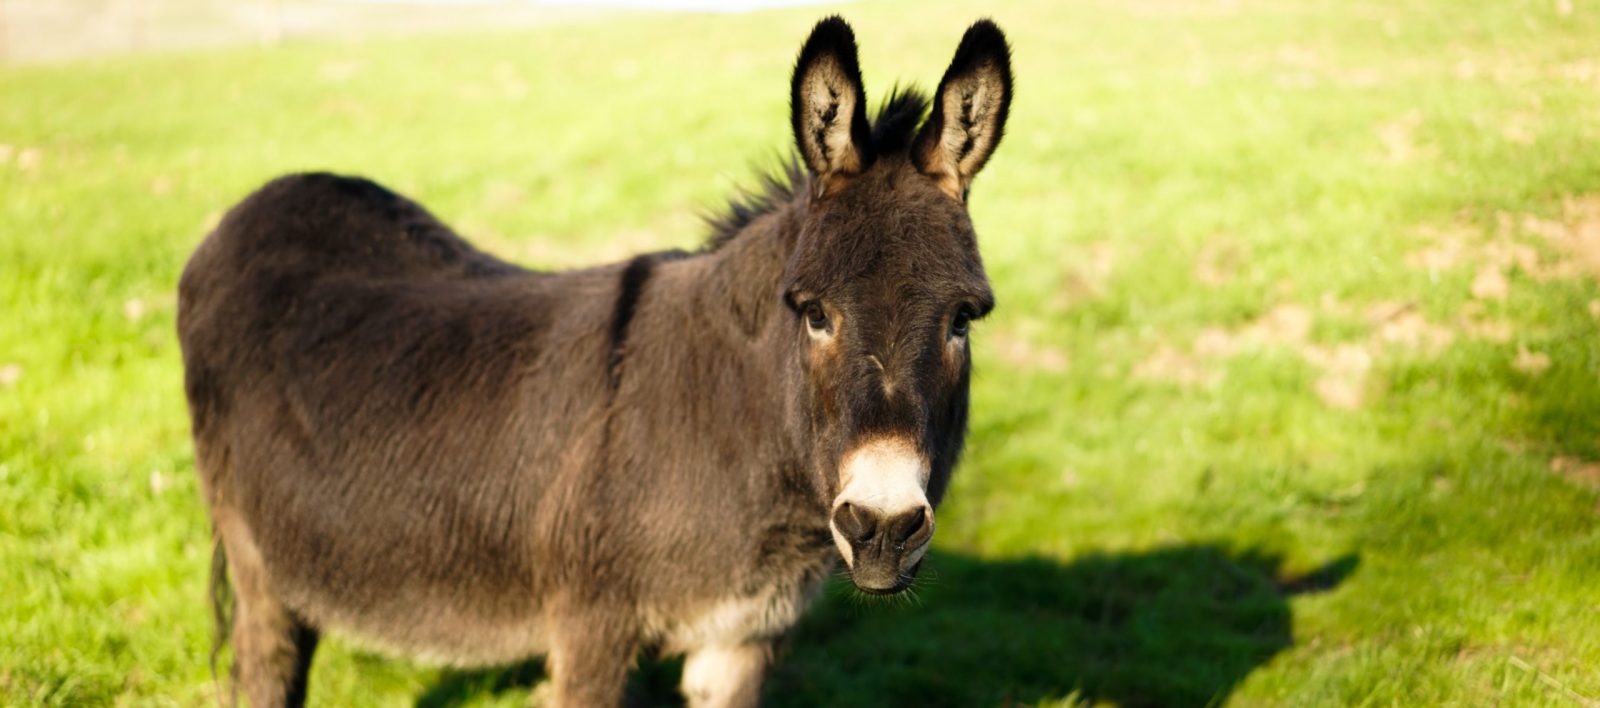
x=221, y=603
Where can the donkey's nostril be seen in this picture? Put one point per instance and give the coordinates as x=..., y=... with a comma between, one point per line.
x=856, y=524
x=911, y=529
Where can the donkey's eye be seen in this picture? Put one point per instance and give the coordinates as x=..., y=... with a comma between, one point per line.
x=960, y=323
x=816, y=319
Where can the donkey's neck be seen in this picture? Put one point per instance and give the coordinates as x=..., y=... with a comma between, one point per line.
x=740, y=294
x=702, y=421
x=744, y=276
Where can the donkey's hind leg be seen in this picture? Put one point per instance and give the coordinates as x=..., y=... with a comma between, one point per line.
x=272, y=648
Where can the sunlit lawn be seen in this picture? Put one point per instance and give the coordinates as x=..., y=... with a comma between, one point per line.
x=1292, y=396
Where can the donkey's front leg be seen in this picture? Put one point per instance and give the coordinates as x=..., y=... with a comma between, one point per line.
x=726, y=676
x=588, y=665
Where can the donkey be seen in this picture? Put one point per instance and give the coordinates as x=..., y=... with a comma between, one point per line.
x=414, y=444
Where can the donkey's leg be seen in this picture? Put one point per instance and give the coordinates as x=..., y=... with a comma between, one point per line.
x=726, y=676
x=588, y=665
x=272, y=648
x=272, y=655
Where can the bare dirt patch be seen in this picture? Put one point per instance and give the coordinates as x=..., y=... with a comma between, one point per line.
x=1286, y=324
x=1343, y=380
x=1474, y=322
x=1343, y=383
x=1543, y=248
x=1018, y=350
x=25, y=159
x=1530, y=362
x=1577, y=469
x=1576, y=236
x=1521, y=128
x=1086, y=273
x=1343, y=368
x=1219, y=262
x=1540, y=248
x=1490, y=283
x=1446, y=249
x=1402, y=324
x=1399, y=140
x=1171, y=364
x=1584, y=71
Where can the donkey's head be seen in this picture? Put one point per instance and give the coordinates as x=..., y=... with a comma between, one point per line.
x=884, y=281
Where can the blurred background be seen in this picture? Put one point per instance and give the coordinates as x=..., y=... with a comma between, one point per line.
x=43, y=30
x=1291, y=398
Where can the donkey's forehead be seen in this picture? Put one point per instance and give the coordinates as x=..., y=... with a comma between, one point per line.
x=890, y=226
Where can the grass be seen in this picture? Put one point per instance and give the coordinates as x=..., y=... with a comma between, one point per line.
x=1292, y=396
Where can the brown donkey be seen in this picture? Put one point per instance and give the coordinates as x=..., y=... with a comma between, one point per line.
x=410, y=442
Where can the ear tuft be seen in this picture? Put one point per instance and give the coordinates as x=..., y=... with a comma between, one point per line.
x=827, y=106
x=969, y=110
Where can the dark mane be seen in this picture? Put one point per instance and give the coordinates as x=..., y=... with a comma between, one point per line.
x=892, y=129
x=778, y=186
x=897, y=119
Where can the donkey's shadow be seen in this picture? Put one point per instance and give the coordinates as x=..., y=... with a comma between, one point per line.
x=1176, y=626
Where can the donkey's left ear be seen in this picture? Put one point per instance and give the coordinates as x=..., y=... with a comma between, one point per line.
x=969, y=111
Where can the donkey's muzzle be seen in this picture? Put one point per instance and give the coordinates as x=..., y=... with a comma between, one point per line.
x=885, y=548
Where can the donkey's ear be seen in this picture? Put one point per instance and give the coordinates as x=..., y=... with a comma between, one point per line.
x=969, y=111
x=827, y=106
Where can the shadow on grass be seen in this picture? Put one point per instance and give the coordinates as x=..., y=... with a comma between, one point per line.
x=456, y=688
x=1178, y=626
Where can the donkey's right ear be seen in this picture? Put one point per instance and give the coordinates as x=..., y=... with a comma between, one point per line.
x=827, y=106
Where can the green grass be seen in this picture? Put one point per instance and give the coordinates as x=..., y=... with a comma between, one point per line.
x=1233, y=440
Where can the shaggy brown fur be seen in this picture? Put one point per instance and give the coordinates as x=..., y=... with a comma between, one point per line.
x=410, y=442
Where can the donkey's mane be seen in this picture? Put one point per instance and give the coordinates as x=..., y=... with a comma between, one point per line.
x=897, y=119
x=892, y=129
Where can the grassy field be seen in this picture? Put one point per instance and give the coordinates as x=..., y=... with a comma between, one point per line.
x=1292, y=397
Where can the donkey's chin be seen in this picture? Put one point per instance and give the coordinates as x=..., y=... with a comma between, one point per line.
x=884, y=581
